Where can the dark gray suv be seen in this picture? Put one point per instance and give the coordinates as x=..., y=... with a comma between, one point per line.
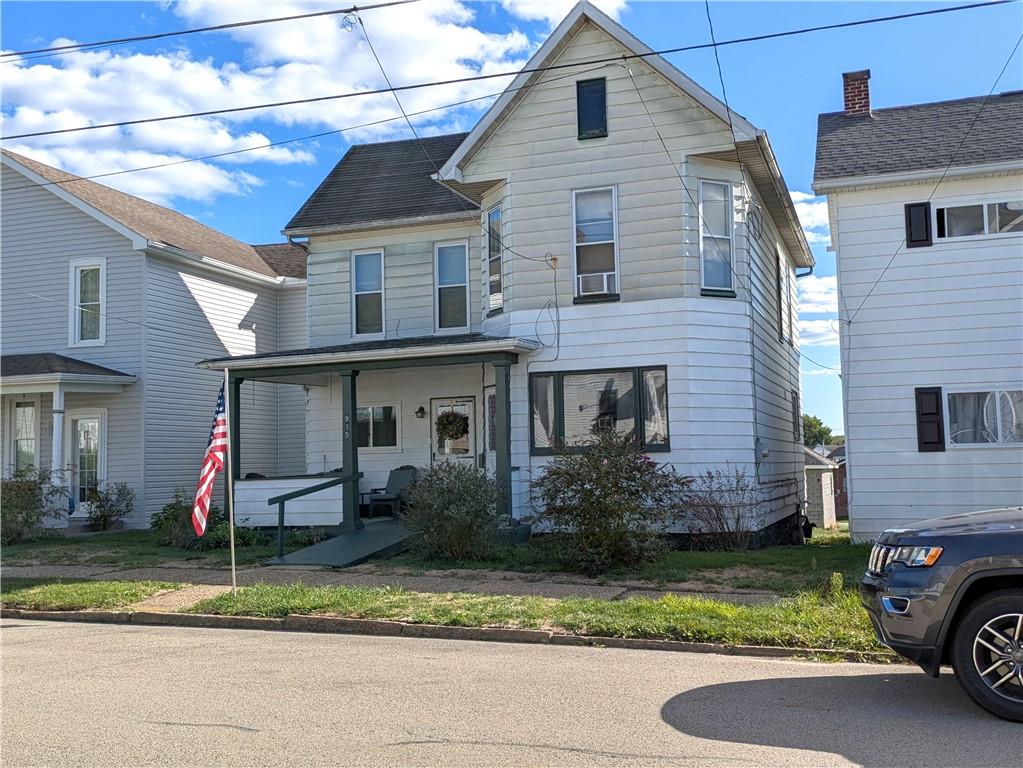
x=950, y=591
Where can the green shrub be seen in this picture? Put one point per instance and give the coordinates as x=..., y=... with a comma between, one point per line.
x=27, y=499
x=610, y=501
x=305, y=537
x=111, y=504
x=452, y=512
x=723, y=507
x=173, y=527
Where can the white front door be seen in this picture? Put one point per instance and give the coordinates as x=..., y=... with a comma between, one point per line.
x=85, y=456
x=453, y=429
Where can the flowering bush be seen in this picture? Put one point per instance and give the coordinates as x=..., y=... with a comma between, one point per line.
x=611, y=501
x=452, y=511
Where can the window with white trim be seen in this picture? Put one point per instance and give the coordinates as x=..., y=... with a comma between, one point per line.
x=86, y=453
x=978, y=219
x=25, y=431
x=451, y=277
x=717, y=261
x=378, y=426
x=87, y=323
x=494, y=291
x=595, y=238
x=368, y=293
x=993, y=416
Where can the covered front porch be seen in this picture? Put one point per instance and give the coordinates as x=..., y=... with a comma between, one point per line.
x=371, y=408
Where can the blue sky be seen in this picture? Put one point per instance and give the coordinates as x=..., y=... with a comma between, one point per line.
x=780, y=85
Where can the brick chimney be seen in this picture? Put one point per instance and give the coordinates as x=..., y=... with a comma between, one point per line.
x=856, y=90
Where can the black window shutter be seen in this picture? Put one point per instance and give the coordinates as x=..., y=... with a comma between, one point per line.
x=918, y=225
x=930, y=424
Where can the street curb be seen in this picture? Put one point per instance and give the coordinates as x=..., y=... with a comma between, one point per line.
x=347, y=626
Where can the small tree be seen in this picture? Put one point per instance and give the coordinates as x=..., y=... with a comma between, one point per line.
x=112, y=503
x=723, y=507
x=27, y=500
x=452, y=512
x=815, y=431
x=611, y=501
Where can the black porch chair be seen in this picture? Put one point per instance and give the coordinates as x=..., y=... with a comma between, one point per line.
x=393, y=495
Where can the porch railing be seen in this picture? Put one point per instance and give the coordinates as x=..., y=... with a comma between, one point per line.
x=281, y=500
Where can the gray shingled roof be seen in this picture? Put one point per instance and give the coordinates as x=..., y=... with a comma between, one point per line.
x=285, y=259
x=383, y=182
x=152, y=221
x=42, y=363
x=920, y=137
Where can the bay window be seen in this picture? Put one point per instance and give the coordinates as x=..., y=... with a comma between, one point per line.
x=595, y=232
x=568, y=408
x=716, y=248
x=368, y=293
x=451, y=273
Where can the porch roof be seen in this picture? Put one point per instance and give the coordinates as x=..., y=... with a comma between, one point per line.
x=48, y=369
x=385, y=353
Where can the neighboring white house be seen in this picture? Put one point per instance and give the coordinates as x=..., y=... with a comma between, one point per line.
x=926, y=211
x=557, y=268
x=107, y=302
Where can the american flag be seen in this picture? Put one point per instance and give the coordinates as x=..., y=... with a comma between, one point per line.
x=212, y=463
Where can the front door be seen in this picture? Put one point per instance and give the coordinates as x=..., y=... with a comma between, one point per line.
x=453, y=429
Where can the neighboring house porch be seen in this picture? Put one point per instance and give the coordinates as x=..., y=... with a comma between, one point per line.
x=58, y=414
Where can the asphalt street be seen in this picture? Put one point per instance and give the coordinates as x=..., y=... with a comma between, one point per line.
x=107, y=695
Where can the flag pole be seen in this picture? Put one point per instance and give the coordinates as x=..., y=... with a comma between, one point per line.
x=229, y=478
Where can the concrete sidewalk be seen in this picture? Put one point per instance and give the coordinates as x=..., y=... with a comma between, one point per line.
x=370, y=575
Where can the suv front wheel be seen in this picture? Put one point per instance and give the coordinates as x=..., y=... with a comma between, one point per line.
x=987, y=653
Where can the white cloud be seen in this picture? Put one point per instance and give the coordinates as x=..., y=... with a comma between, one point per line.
x=818, y=294
x=813, y=215
x=553, y=11
x=819, y=372
x=279, y=62
x=818, y=333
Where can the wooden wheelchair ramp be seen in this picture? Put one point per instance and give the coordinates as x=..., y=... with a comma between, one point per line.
x=379, y=537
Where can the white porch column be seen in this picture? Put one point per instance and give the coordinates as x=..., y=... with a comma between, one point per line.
x=57, y=449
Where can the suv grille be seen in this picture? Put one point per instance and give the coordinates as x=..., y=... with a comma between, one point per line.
x=880, y=556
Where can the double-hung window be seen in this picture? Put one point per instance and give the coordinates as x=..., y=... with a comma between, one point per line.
x=985, y=417
x=25, y=417
x=717, y=263
x=368, y=292
x=451, y=272
x=595, y=239
x=87, y=321
x=376, y=426
x=978, y=219
x=567, y=409
x=494, y=291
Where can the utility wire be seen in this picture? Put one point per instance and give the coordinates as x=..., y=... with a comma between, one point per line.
x=944, y=173
x=40, y=53
x=308, y=137
x=512, y=73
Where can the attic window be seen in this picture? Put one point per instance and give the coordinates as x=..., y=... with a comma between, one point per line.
x=591, y=108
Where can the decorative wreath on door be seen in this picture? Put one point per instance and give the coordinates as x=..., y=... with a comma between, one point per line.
x=452, y=425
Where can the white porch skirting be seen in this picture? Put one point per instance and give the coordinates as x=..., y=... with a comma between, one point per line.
x=251, y=509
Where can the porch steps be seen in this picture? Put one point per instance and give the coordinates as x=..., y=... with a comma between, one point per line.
x=378, y=537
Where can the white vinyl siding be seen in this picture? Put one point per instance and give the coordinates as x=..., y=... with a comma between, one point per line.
x=87, y=299
x=717, y=249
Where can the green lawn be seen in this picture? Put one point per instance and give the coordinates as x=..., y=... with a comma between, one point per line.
x=784, y=570
x=128, y=549
x=809, y=620
x=55, y=595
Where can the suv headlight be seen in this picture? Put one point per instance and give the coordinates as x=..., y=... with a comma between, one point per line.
x=917, y=557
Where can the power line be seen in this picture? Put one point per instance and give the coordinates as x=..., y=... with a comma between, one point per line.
x=296, y=139
x=72, y=47
x=944, y=173
x=513, y=73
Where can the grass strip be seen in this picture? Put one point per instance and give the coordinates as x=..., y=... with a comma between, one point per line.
x=67, y=595
x=808, y=620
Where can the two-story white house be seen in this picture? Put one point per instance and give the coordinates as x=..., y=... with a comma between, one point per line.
x=601, y=249
x=926, y=211
x=107, y=301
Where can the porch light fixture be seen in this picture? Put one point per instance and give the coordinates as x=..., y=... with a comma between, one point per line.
x=420, y=412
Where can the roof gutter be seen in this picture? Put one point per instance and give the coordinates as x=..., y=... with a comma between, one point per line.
x=366, y=226
x=511, y=344
x=180, y=254
x=786, y=199
x=823, y=186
